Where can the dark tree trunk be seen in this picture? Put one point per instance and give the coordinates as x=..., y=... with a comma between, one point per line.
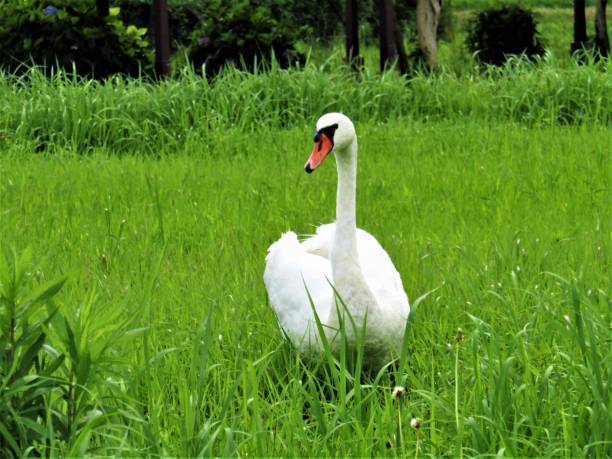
x=162, y=37
x=428, y=16
x=352, y=34
x=402, y=57
x=580, y=35
x=602, y=41
x=388, y=51
x=102, y=7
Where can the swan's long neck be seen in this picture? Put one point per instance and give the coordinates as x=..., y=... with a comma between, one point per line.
x=345, y=242
x=348, y=277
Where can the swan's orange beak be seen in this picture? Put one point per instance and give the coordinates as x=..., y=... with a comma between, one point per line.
x=319, y=151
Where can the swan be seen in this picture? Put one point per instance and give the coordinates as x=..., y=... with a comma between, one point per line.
x=339, y=255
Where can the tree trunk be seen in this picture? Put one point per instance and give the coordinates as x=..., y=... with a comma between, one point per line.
x=580, y=35
x=162, y=37
x=352, y=34
x=102, y=7
x=388, y=51
x=602, y=42
x=427, y=17
x=402, y=57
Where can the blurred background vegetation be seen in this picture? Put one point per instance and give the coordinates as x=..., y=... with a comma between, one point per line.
x=75, y=36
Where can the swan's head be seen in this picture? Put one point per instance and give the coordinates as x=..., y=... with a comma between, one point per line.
x=335, y=131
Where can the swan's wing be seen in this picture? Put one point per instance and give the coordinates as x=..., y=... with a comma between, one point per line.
x=320, y=243
x=376, y=265
x=381, y=275
x=289, y=270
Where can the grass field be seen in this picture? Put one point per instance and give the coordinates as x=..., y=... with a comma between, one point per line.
x=506, y=225
x=143, y=211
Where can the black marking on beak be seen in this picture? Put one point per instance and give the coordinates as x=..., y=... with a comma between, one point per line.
x=307, y=168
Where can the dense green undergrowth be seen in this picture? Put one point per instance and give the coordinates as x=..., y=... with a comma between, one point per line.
x=122, y=115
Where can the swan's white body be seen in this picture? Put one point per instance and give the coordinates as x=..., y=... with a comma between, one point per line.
x=339, y=255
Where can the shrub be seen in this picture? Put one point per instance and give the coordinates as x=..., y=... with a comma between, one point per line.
x=183, y=17
x=242, y=33
x=497, y=33
x=71, y=35
x=322, y=20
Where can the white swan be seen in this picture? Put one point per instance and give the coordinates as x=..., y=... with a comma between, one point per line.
x=349, y=258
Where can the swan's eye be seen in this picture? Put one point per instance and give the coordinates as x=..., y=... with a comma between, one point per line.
x=329, y=131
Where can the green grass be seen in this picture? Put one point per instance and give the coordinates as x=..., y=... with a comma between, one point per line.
x=156, y=202
x=124, y=116
x=507, y=224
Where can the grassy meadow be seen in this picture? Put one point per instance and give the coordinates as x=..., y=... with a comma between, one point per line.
x=134, y=223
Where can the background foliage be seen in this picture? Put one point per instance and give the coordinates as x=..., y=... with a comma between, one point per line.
x=70, y=36
x=497, y=33
x=242, y=34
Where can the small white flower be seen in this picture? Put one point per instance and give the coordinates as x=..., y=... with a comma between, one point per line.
x=398, y=392
x=415, y=423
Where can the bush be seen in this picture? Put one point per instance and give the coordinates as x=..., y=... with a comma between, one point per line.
x=322, y=19
x=183, y=17
x=497, y=33
x=242, y=33
x=71, y=35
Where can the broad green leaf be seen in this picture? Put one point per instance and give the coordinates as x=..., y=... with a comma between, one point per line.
x=27, y=359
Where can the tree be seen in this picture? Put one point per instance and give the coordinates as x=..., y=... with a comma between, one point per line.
x=580, y=35
x=427, y=19
x=391, y=38
x=602, y=42
x=162, y=37
x=352, y=34
x=388, y=50
x=402, y=57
